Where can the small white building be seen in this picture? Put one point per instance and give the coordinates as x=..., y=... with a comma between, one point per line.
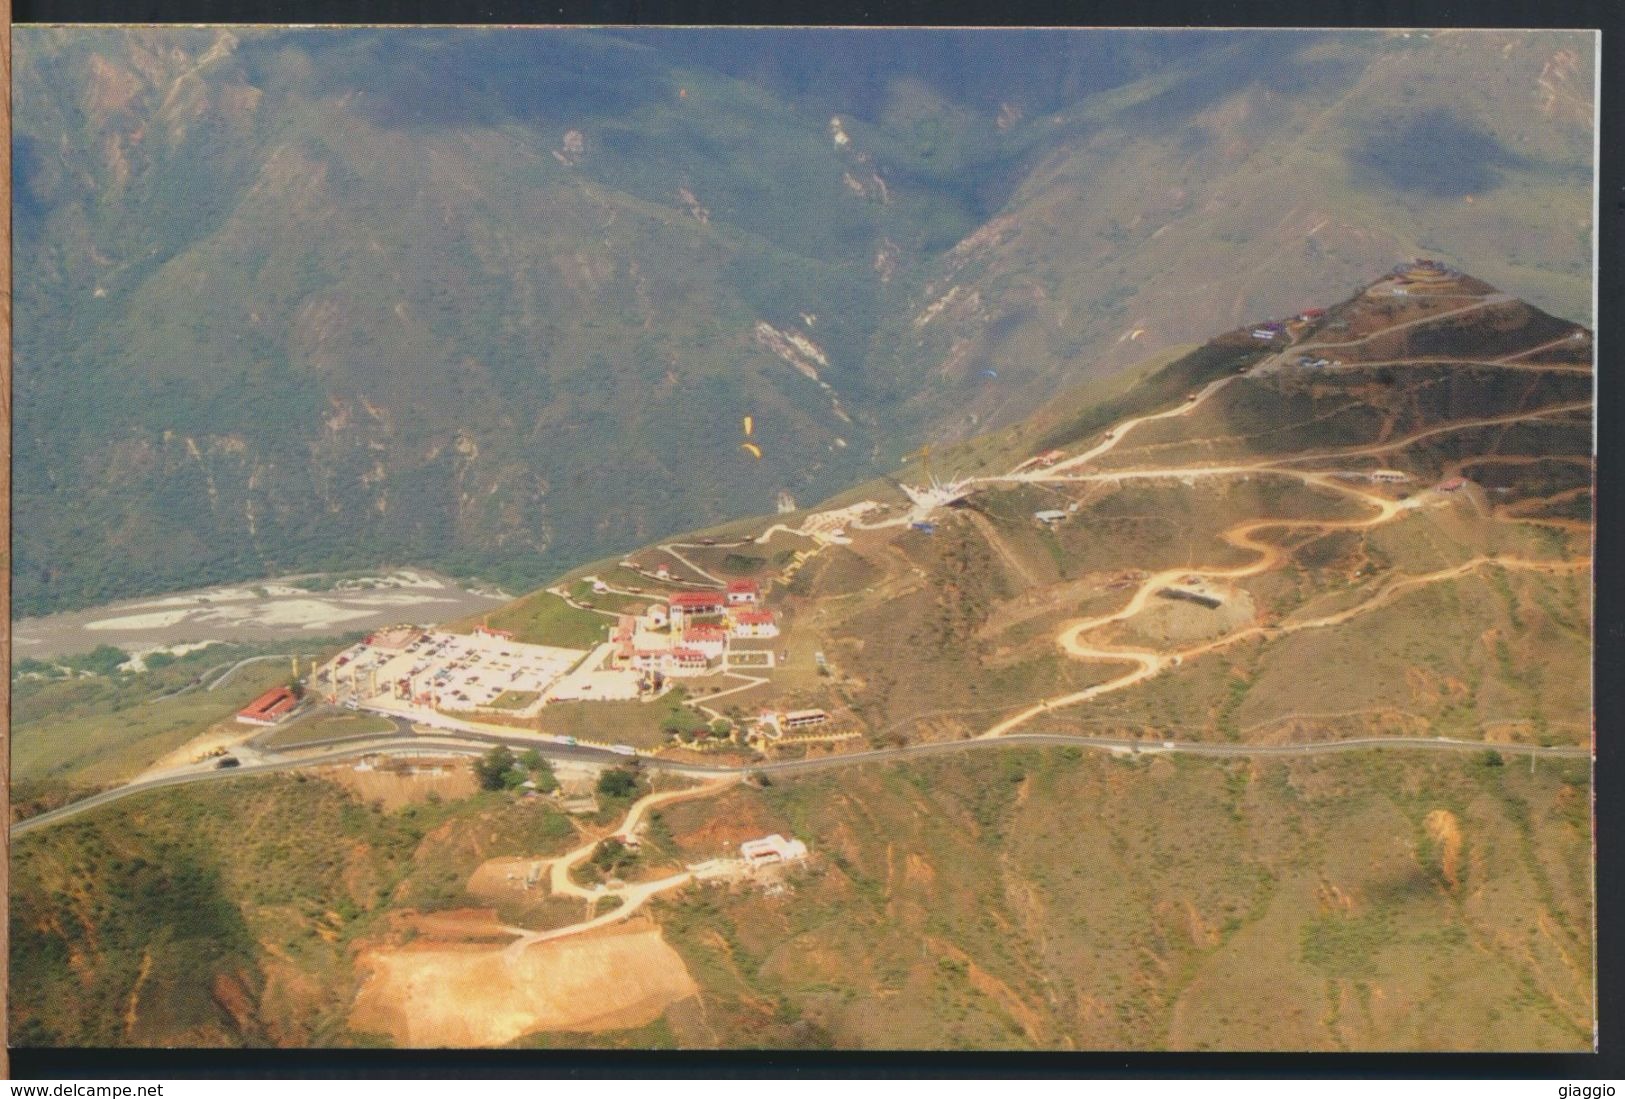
x=754, y=624
x=1051, y=516
x=743, y=593
x=686, y=661
x=707, y=639
x=772, y=849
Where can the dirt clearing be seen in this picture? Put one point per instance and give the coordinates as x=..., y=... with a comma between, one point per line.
x=450, y=994
x=398, y=787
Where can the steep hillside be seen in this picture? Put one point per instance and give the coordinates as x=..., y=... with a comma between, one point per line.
x=1262, y=178
x=498, y=301
x=1011, y=900
x=1305, y=619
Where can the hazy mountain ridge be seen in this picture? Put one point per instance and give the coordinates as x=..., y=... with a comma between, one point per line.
x=496, y=302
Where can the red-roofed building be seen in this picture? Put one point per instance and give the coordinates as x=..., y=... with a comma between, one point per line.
x=710, y=640
x=694, y=604
x=1453, y=484
x=686, y=661
x=743, y=592
x=755, y=623
x=269, y=708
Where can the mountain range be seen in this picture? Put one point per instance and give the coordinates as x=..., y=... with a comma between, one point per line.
x=499, y=301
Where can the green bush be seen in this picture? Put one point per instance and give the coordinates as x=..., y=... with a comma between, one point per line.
x=493, y=767
x=617, y=782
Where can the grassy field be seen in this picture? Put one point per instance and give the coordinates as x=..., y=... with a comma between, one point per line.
x=634, y=723
x=542, y=618
x=514, y=700
x=88, y=731
x=70, y=733
x=327, y=727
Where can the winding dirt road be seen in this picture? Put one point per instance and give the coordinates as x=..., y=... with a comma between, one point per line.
x=561, y=883
x=1147, y=663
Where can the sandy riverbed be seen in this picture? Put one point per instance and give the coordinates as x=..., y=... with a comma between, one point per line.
x=271, y=611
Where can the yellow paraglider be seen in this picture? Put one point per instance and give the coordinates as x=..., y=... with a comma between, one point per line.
x=755, y=450
x=750, y=424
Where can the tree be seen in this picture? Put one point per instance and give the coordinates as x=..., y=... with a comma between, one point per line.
x=545, y=782
x=612, y=854
x=683, y=721
x=531, y=760
x=102, y=660
x=617, y=782
x=492, y=768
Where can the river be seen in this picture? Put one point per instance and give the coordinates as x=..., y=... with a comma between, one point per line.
x=256, y=611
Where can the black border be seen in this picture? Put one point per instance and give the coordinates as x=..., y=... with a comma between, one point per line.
x=1604, y=15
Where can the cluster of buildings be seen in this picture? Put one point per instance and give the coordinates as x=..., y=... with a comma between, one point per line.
x=1424, y=272
x=1418, y=274
x=411, y=671
x=760, y=862
x=1289, y=329
x=692, y=632
x=486, y=670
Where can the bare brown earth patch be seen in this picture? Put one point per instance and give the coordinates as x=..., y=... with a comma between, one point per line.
x=399, y=788
x=504, y=878
x=446, y=993
x=1446, y=832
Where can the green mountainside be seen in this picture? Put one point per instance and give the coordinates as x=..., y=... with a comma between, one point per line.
x=496, y=302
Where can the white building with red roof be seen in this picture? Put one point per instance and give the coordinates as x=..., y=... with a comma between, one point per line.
x=743, y=593
x=755, y=623
x=686, y=661
x=695, y=604
x=705, y=638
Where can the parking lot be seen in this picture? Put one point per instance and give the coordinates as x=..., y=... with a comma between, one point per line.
x=476, y=672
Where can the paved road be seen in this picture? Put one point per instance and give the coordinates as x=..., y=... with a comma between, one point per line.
x=208, y=772
x=476, y=744
x=473, y=743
